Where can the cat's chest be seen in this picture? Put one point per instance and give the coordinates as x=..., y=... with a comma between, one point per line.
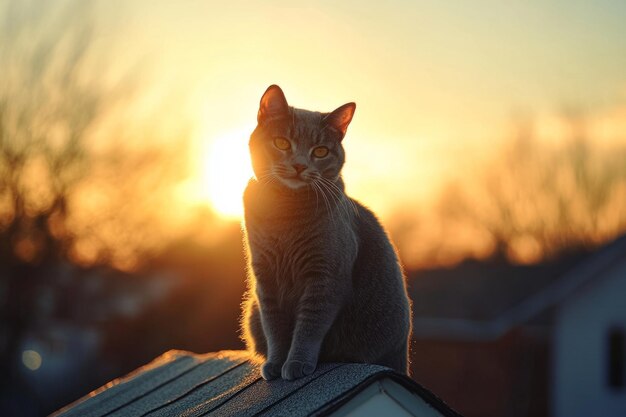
x=285, y=255
x=283, y=249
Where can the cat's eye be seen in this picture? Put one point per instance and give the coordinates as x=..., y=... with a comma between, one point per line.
x=282, y=144
x=320, y=151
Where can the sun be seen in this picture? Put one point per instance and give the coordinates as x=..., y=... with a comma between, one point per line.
x=226, y=170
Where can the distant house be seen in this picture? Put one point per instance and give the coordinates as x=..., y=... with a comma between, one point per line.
x=228, y=383
x=541, y=340
x=65, y=338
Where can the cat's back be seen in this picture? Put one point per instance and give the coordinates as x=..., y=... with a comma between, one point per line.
x=379, y=309
x=372, y=235
x=377, y=268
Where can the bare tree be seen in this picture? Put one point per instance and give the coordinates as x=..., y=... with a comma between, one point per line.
x=60, y=200
x=537, y=201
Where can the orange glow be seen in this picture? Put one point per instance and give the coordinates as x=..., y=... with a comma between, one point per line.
x=225, y=170
x=436, y=90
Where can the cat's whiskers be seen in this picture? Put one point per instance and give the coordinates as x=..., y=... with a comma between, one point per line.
x=326, y=200
x=266, y=178
x=336, y=198
x=310, y=180
x=346, y=200
x=264, y=175
x=317, y=180
x=340, y=202
x=337, y=194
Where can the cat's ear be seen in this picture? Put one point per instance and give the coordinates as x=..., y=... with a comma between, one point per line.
x=273, y=105
x=340, y=118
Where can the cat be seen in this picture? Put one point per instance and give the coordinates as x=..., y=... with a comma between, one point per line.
x=324, y=280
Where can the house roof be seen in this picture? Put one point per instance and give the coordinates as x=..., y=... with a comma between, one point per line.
x=228, y=383
x=483, y=300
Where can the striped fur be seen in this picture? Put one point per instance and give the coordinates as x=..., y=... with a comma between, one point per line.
x=325, y=283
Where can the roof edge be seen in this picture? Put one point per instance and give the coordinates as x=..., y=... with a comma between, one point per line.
x=569, y=283
x=160, y=360
x=430, y=398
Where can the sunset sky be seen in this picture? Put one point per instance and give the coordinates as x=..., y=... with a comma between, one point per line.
x=486, y=132
x=437, y=84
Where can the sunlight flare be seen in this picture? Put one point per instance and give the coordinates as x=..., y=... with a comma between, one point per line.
x=31, y=359
x=225, y=172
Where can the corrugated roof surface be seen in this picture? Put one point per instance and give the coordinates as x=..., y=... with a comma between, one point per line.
x=228, y=383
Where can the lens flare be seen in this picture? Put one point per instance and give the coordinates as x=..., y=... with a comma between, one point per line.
x=31, y=359
x=226, y=170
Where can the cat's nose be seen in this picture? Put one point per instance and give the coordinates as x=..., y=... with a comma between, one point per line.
x=299, y=168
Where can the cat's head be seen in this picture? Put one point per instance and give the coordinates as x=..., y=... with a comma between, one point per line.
x=294, y=148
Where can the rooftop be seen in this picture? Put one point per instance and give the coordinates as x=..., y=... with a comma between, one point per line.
x=482, y=300
x=228, y=383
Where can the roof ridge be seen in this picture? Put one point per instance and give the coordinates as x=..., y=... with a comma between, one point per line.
x=569, y=282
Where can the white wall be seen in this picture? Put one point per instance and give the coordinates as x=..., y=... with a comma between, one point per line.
x=580, y=349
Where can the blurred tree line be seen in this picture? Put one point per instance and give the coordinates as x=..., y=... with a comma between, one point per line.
x=75, y=189
x=535, y=200
x=76, y=180
x=539, y=201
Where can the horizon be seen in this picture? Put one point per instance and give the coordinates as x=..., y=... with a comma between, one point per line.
x=456, y=99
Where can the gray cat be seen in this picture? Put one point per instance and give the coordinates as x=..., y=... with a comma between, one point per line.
x=324, y=280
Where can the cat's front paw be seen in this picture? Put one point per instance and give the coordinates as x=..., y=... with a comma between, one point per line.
x=293, y=369
x=270, y=370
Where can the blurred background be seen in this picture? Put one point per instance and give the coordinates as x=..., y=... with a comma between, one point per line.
x=490, y=138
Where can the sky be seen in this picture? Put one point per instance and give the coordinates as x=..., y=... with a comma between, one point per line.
x=437, y=84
